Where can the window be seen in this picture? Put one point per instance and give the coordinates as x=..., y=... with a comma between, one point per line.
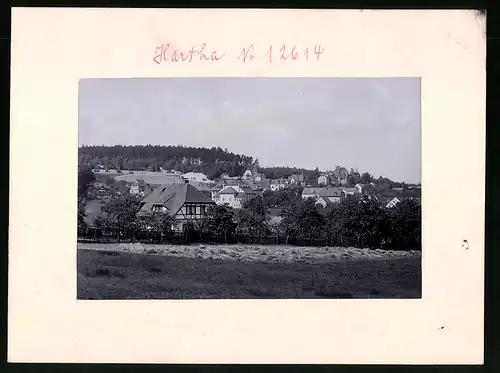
x=202, y=209
x=190, y=210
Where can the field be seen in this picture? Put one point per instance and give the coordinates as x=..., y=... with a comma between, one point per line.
x=135, y=271
x=155, y=178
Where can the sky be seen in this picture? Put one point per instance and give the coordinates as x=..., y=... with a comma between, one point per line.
x=372, y=124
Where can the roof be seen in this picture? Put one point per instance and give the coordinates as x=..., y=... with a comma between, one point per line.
x=229, y=190
x=195, y=174
x=350, y=190
x=264, y=184
x=310, y=190
x=173, y=197
x=330, y=192
x=323, y=192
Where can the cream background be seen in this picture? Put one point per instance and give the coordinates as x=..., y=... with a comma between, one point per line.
x=53, y=48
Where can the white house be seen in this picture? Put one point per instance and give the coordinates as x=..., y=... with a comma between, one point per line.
x=232, y=196
x=349, y=191
x=393, y=202
x=274, y=185
x=139, y=187
x=247, y=175
x=323, y=179
x=195, y=176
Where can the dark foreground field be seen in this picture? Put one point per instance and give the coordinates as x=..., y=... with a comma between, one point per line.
x=124, y=275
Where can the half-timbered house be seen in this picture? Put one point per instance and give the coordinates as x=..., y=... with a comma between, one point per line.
x=182, y=201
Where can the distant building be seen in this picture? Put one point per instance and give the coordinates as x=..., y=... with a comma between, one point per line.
x=140, y=187
x=234, y=192
x=247, y=175
x=366, y=189
x=393, y=202
x=349, y=191
x=296, y=179
x=231, y=196
x=323, y=179
x=274, y=185
x=181, y=201
x=325, y=202
x=195, y=176
x=332, y=194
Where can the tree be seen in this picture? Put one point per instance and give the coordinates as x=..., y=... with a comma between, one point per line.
x=219, y=219
x=302, y=219
x=120, y=213
x=157, y=222
x=85, y=180
x=81, y=213
x=289, y=224
x=366, y=178
x=253, y=219
x=405, y=219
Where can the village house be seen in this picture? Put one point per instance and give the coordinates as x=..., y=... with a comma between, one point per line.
x=274, y=185
x=296, y=179
x=277, y=184
x=182, y=201
x=332, y=194
x=140, y=187
x=242, y=190
x=195, y=176
x=393, y=202
x=247, y=175
x=366, y=189
x=258, y=179
x=232, y=196
x=343, y=176
x=349, y=191
x=282, y=183
x=324, y=201
x=323, y=179
x=203, y=187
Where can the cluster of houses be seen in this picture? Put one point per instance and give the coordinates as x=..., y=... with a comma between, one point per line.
x=190, y=195
x=338, y=176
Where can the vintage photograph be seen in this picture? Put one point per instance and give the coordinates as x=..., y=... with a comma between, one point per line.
x=245, y=188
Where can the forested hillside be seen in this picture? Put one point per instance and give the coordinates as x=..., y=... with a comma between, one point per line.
x=212, y=162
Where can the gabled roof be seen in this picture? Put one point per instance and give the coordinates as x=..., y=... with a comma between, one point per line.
x=173, y=197
x=229, y=190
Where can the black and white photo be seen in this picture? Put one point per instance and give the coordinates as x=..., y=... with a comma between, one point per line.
x=235, y=188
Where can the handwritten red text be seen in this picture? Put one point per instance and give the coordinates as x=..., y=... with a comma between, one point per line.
x=164, y=53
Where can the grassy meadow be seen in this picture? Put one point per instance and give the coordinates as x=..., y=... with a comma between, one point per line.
x=128, y=271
